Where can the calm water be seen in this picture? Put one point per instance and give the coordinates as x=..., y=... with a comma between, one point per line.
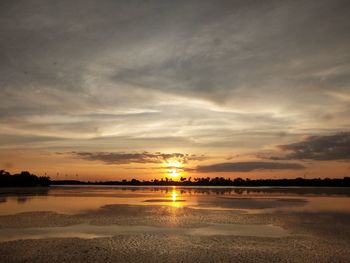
x=73, y=199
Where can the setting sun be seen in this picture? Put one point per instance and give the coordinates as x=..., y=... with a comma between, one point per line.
x=174, y=172
x=173, y=167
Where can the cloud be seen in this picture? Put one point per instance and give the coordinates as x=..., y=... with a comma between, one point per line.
x=322, y=148
x=202, y=73
x=247, y=167
x=143, y=157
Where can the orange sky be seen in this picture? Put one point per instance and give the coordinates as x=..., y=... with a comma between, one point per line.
x=65, y=167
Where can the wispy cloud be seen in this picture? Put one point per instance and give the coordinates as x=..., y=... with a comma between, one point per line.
x=143, y=157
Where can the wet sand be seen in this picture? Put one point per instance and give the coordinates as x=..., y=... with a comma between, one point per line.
x=165, y=233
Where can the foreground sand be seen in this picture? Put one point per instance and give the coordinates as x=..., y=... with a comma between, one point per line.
x=174, y=248
x=311, y=237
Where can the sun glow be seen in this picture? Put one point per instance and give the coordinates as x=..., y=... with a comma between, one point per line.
x=174, y=172
x=174, y=163
x=174, y=167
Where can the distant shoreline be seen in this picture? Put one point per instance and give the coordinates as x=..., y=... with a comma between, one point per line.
x=238, y=182
x=26, y=179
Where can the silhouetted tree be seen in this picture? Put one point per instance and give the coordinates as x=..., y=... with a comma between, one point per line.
x=22, y=179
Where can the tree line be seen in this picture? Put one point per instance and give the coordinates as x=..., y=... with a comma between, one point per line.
x=221, y=181
x=25, y=178
x=22, y=179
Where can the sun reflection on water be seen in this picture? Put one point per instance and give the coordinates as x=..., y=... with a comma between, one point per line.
x=173, y=196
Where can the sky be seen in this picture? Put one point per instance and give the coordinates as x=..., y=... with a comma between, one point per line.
x=111, y=90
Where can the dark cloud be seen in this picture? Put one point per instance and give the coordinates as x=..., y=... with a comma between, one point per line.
x=247, y=167
x=323, y=148
x=128, y=158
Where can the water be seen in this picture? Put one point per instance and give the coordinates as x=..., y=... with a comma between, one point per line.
x=82, y=206
x=73, y=199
